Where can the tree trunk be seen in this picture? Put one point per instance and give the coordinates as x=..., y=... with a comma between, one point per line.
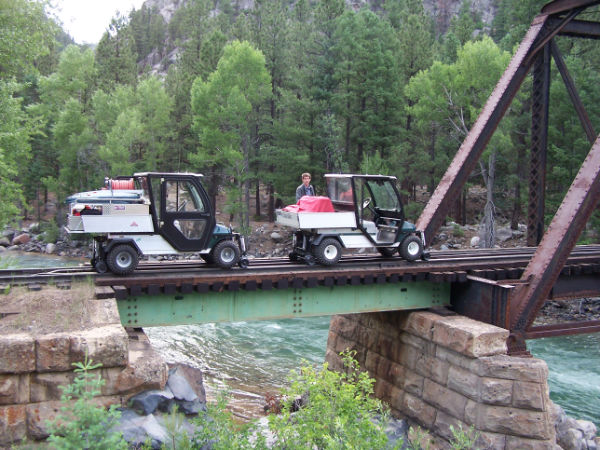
x=489, y=210
x=257, y=198
x=246, y=187
x=271, y=202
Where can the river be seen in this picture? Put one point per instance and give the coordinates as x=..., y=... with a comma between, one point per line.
x=251, y=359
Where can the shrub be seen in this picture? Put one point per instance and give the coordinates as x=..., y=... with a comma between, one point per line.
x=81, y=423
x=340, y=410
x=51, y=232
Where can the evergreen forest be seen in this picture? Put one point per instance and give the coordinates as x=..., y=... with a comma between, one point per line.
x=253, y=98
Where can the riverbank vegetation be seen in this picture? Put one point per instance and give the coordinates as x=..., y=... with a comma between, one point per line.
x=254, y=97
x=320, y=409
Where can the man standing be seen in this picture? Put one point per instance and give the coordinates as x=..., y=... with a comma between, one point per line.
x=305, y=188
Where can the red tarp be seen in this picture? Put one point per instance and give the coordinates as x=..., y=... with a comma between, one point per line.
x=311, y=204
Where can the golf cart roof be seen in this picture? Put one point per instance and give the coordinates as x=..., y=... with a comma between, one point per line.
x=166, y=174
x=353, y=175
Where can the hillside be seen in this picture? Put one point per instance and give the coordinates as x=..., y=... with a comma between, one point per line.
x=159, y=57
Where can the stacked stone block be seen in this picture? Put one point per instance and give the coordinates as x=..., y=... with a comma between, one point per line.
x=33, y=367
x=449, y=370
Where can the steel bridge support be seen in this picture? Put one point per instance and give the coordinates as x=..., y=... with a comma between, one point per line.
x=243, y=305
x=528, y=295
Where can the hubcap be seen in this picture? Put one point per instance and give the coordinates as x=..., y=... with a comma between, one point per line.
x=124, y=260
x=330, y=252
x=227, y=254
x=413, y=248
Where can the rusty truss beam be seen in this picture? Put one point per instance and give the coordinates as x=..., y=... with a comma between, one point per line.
x=558, y=241
x=525, y=298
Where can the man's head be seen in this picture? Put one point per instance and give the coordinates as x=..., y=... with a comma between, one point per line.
x=306, y=178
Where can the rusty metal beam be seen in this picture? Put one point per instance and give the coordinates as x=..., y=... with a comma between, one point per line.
x=539, y=147
x=563, y=329
x=472, y=147
x=559, y=6
x=572, y=90
x=581, y=29
x=549, y=258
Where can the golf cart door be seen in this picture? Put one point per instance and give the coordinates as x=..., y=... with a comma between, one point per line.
x=379, y=209
x=184, y=212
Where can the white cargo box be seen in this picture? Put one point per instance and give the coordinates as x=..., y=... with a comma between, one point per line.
x=110, y=223
x=313, y=220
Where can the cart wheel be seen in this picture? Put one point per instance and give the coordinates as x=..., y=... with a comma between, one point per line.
x=122, y=260
x=100, y=266
x=243, y=263
x=309, y=259
x=411, y=248
x=226, y=254
x=328, y=252
x=208, y=258
x=388, y=252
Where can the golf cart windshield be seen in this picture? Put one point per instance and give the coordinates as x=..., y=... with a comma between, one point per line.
x=384, y=195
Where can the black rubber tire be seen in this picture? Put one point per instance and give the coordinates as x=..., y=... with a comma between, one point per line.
x=388, y=252
x=122, y=259
x=411, y=248
x=208, y=258
x=328, y=252
x=100, y=266
x=244, y=263
x=226, y=254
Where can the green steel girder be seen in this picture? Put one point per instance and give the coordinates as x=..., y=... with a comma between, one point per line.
x=242, y=305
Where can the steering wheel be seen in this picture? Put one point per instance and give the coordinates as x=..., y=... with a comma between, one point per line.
x=182, y=206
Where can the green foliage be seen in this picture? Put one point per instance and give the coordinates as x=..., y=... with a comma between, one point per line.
x=178, y=437
x=340, y=410
x=15, y=132
x=457, y=231
x=225, y=116
x=463, y=439
x=219, y=430
x=50, y=231
x=26, y=36
x=81, y=423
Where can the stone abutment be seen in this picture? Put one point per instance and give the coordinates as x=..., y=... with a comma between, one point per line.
x=440, y=370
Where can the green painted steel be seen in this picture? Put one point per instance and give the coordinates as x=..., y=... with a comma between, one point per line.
x=242, y=305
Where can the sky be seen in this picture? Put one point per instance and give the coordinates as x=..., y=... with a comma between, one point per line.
x=87, y=20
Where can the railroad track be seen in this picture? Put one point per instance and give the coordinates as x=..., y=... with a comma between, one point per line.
x=443, y=266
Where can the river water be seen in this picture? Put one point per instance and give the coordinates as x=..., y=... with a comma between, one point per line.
x=253, y=359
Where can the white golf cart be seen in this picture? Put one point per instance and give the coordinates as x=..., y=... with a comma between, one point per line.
x=152, y=213
x=360, y=211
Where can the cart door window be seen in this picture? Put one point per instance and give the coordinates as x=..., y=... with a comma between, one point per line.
x=183, y=197
x=384, y=195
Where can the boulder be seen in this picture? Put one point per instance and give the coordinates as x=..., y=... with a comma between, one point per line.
x=475, y=240
x=140, y=430
x=50, y=248
x=503, y=234
x=187, y=388
x=275, y=236
x=20, y=239
x=149, y=401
